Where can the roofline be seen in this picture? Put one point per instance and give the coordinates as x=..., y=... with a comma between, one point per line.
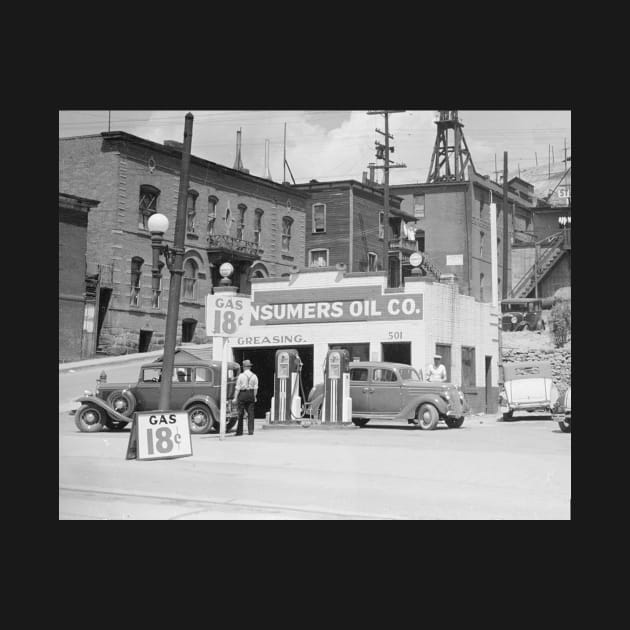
x=480, y=181
x=82, y=200
x=156, y=146
x=347, y=182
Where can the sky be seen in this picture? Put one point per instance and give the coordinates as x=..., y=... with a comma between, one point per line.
x=328, y=144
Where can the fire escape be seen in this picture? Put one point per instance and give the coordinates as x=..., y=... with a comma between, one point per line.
x=557, y=244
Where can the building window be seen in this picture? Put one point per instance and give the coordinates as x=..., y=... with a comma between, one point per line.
x=148, y=204
x=242, y=208
x=190, y=280
x=481, y=204
x=381, y=225
x=318, y=258
x=498, y=247
x=418, y=206
x=258, y=213
x=482, y=236
x=468, y=367
x=212, y=214
x=319, y=217
x=372, y=261
x=191, y=212
x=286, y=233
x=156, y=298
x=228, y=219
x=136, y=273
x=481, y=287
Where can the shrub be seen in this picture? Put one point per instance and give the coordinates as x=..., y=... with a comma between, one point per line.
x=560, y=322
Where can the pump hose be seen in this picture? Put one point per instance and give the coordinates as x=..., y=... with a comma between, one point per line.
x=300, y=388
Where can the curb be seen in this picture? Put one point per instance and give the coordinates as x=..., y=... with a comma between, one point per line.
x=320, y=427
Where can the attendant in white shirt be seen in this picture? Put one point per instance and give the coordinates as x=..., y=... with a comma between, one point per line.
x=436, y=371
x=245, y=395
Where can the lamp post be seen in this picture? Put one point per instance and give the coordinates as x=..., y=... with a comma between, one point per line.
x=158, y=224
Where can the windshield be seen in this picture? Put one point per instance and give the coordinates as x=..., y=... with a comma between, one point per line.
x=409, y=374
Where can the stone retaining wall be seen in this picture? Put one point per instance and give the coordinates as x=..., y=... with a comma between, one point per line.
x=560, y=359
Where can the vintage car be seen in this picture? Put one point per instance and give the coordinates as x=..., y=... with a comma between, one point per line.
x=523, y=313
x=395, y=392
x=562, y=411
x=527, y=386
x=195, y=389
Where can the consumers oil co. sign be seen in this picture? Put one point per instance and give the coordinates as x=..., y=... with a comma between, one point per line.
x=301, y=306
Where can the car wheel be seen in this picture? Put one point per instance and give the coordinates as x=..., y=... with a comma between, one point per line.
x=508, y=414
x=115, y=425
x=565, y=426
x=122, y=401
x=454, y=423
x=89, y=418
x=360, y=422
x=427, y=417
x=200, y=418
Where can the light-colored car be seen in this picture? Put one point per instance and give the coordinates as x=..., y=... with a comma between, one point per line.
x=527, y=386
x=562, y=411
x=383, y=391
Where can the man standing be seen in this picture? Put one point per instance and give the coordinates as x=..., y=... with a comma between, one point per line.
x=245, y=397
x=437, y=371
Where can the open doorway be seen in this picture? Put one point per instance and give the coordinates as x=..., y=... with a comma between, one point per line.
x=263, y=360
x=144, y=341
x=397, y=352
x=490, y=405
x=188, y=329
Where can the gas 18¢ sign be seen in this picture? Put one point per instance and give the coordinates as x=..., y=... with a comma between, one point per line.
x=226, y=314
x=163, y=435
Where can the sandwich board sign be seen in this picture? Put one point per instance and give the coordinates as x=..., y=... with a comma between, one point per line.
x=160, y=435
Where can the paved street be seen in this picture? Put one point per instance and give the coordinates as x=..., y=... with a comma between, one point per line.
x=488, y=469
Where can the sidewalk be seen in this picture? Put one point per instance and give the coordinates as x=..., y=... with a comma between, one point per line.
x=126, y=358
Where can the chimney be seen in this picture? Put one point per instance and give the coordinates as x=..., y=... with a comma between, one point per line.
x=238, y=162
x=267, y=171
x=365, y=179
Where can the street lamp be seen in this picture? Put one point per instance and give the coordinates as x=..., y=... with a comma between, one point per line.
x=158, y=224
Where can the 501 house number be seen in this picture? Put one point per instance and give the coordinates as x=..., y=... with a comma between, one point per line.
x=397, y=334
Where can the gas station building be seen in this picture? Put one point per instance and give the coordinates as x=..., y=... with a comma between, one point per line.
x=320, y=309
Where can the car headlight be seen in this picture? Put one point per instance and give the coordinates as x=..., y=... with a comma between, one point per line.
x=446, y=397
x=513, y=320
x=87, y=392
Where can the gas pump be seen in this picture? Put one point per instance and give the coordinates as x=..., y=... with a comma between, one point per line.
x=286, y=403
x=337, y=404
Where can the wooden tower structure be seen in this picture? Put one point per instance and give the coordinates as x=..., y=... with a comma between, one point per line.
x=450, y=158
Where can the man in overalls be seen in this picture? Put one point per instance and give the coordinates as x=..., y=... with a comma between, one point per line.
x=245, y=396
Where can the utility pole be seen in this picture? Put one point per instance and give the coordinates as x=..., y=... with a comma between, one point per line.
x=565, y=153
x=553, y=157
x=109, y=121
x=506, y=242
x=170, y=336
x=384, y=151
x=536, y=156
x=284, y=157
x=496, y=171
x=548, y=161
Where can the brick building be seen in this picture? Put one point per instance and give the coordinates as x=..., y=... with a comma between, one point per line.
x=73, y=227
x=453, y=227
x=254, y=223
x=344, y=224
